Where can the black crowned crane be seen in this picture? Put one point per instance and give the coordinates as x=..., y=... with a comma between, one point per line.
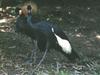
x=45, y=33
x=53, y=36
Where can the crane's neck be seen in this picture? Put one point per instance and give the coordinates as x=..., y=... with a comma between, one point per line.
x=29, y=18
x=30, y=22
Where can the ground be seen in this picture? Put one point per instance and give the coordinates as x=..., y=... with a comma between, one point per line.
x=80, y=24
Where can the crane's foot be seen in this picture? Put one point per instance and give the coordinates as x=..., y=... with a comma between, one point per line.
x=31, y=59
x=33, y=56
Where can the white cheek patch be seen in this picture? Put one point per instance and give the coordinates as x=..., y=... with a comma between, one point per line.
x=64, y=44
x=20, y=12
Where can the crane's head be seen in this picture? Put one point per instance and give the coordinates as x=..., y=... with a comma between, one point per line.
x=29, y=9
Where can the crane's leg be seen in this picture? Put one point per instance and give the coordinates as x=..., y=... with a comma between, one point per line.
x=43, y=57
x=33, y=55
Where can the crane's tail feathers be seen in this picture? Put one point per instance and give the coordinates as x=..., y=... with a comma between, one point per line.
x=73, y=56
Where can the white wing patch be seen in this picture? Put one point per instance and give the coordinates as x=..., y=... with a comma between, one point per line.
x=64, y=44
x=52, y=30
